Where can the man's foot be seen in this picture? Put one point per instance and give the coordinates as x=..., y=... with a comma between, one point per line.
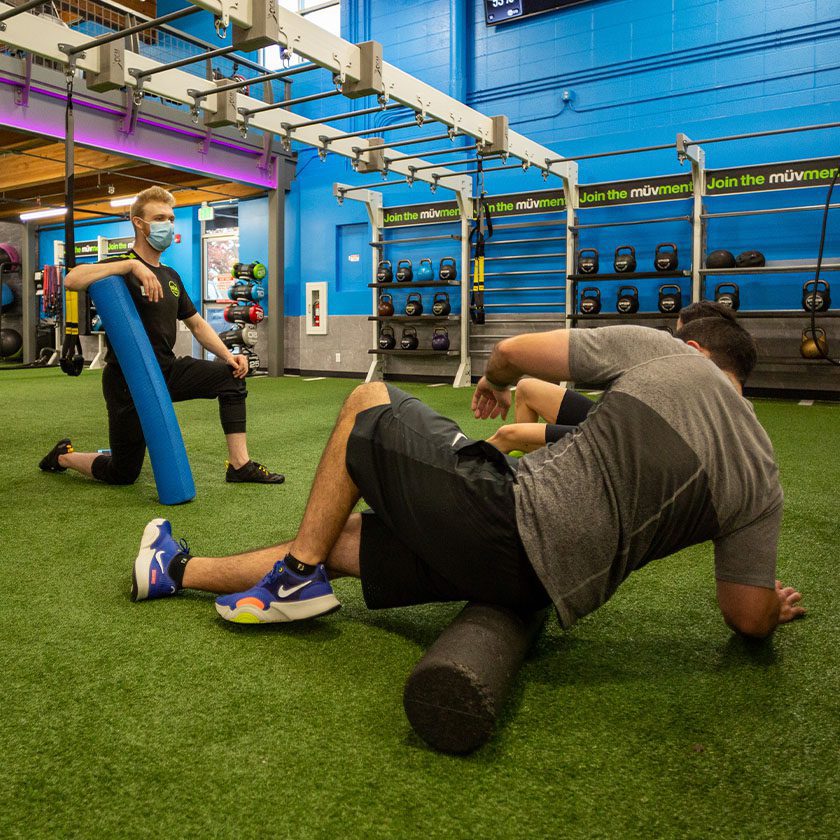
x=282, y=595
x=49, y=463
x=252, y=473
x=158, y=549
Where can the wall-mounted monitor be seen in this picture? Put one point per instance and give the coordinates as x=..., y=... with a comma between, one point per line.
x=506, y=11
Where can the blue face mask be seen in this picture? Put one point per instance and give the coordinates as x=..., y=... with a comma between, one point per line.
x=160, y=235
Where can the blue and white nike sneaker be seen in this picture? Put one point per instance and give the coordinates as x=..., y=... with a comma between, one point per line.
x=157, y=550
x=282, y=595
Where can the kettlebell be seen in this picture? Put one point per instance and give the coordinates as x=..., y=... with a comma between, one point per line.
x=665, y=260
x=409, y=340
x=814, y=344
x=387, y=339
x=590, y=301
x=816, y=295
x=404, y=272
x=440, y=305
x=587, y=264
x=670, y=298
x=425, y=271
x=386, y=305
x=384, y=273
x=628, y=301
x=440, y=339
x=448, y=269
x=624, y=262
x=414, y=305
x=727, y=294
x=749, y=259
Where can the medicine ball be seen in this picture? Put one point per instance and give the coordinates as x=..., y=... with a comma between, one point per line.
x=720, y=259
x=7, y=298
x=625, y=259
x=749, y=259
x=11, y=343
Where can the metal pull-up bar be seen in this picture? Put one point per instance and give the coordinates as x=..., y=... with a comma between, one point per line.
x=182, y=62
x=347, y=115
x=313, y=97
x=381, y=130
x=267, y=77
x=455, y=162
x=115, y=36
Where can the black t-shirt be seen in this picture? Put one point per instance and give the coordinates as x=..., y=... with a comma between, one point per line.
x=160, y=320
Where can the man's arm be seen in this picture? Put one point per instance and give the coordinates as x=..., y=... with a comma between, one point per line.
x=82, y=276
x=543, y=355
x=209, y=339
x=756, y=611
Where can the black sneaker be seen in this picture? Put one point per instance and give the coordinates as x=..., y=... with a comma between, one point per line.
x=49, y=463
x=252, y=473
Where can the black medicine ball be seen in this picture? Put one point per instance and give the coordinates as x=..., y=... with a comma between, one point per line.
x=720, y=259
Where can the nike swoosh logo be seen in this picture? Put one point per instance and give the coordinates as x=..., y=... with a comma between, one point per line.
x=458, y=437
x=159, y=561
x=282, y=592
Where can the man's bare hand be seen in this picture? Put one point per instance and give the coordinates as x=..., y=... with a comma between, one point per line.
x=488, y=403
x=239, y=365
x=789, y=599
x=150, y=283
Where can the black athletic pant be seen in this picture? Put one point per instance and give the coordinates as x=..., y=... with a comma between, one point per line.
x=186, y=379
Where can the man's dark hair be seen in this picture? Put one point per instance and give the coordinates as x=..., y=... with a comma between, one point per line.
x=706, y=309
x=731, y=347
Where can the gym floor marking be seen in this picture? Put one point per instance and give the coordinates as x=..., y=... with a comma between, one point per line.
x=438, y=384
x=314, y=378
x=806, y=402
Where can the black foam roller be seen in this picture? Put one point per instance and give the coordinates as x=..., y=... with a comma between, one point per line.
x=455, y=693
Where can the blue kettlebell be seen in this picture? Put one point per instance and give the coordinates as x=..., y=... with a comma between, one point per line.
x=425, y=271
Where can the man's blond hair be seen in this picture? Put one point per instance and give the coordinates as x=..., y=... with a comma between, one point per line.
x=148, y=196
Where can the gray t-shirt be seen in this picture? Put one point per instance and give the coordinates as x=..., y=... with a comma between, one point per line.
x=669, y=457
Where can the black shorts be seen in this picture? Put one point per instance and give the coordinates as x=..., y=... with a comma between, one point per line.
x=573, y=411
x=443, y=521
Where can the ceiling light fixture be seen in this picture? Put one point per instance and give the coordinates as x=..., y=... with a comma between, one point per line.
x=42, y=214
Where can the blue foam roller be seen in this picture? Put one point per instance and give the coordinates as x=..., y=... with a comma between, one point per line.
x=114, y=305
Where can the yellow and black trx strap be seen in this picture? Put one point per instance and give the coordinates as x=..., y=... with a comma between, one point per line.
x=482, y=220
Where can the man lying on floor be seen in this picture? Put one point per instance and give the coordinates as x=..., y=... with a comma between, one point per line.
x=672, y=455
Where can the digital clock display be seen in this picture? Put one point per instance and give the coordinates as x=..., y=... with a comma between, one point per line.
x=502, y=11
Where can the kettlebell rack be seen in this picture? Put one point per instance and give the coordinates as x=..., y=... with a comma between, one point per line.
x=380, y=244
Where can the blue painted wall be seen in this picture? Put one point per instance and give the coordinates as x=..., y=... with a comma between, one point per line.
x=639, y=73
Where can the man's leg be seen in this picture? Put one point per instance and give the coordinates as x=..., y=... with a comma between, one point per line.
x=536, y=399
x=239, y=572
x=189, y=379
x=525, y=437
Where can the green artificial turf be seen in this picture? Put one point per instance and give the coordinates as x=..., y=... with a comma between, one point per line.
x=648, y=719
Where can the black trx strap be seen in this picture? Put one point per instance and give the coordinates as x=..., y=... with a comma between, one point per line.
x=482, y=219
x=71, y=361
